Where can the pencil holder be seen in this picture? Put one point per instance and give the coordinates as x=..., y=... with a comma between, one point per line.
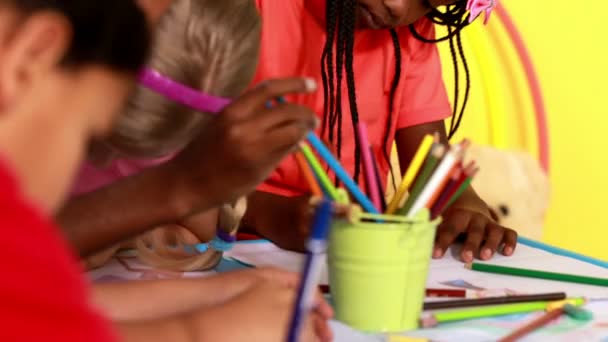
x=378, y=271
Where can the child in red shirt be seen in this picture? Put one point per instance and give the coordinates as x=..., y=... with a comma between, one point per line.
x=379, y=66
x=66, y=67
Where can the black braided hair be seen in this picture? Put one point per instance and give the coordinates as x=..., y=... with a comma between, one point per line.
x=340, y=28
x=455, y=18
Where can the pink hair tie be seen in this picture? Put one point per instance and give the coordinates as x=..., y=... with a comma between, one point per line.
x=476, y=7
x=180, y=93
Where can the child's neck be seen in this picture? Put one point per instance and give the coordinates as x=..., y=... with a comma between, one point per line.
x=42, y=141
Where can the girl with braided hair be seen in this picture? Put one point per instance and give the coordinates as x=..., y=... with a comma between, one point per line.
x=379, y=64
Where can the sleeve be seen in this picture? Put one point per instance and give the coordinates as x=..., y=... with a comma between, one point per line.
x=424, y=95
x=42, y=289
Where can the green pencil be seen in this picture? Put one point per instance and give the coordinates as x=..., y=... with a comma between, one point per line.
x=521, y=272
x=428, y=167
x=488, y=311
x=460, y=191
x=319, y=172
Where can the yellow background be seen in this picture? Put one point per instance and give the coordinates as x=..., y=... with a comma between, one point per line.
x=569, y=44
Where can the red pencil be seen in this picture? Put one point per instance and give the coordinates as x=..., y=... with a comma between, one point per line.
x=446, y=293
x=441, y=204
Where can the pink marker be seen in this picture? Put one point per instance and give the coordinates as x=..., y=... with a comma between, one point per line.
x=368, y=166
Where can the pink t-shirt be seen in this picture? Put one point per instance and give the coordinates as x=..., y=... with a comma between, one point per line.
x=293, y=38
x=92, y=177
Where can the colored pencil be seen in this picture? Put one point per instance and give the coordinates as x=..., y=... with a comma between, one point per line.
x=323, y=178
x=445, y=166
x=379, y=181
x=410, y=174
x=449, y=190
x=308, y=175
x=455, y=190
x=317, y=246
x=342, y=175
x=578, y=313
x=436, y=318
x=563, y=252
x=446, y=293
x=430, y=164
x=454, y=172
x=522, y=272
x=464, y=186
x=533, y=325
x=464, y=303
x=368, y=165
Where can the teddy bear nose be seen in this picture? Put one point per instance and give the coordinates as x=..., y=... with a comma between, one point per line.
x=504, y=210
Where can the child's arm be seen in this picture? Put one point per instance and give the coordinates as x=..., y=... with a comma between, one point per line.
x=234, y=153
x=259, y=314
x=468, y=215
x=154, y=299
x=283, y=220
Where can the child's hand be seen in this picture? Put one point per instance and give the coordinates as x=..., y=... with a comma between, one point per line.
x=260, y=314
x=239, y=147
x=469, y=215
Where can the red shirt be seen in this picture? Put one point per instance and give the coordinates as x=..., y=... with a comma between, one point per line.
x=43, y=294
x=293, y=38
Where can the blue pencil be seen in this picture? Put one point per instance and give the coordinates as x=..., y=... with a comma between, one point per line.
x=562, y=252
x=317, y=246
x=344, y=177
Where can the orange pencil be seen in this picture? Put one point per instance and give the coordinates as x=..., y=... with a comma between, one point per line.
x=308, y=175
x=533, y=325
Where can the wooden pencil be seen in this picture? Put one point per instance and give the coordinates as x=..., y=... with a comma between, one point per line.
x=412, y=171
x=522, y=272
x=322, y=176
x=452, y=157
x=426, y=172
x=368, y=165
x=463, y=187
x=533, y=325
x=379, y=181
x=463, y=303
x=439, y=317
x=308, y=175
x=456, y=189
x=453, y=293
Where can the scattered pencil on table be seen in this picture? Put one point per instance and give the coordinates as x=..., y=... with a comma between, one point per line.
x=433, y=319
x=577, y=313
x=535, y=324
x=522, y=272
x=464, y=303
x=446, y=293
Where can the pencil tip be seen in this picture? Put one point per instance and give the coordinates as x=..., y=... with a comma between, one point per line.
x=468, y=266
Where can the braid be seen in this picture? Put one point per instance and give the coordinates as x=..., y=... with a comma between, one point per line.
x=340, y=52
x=391, y=106
x=456, y=79
x=455, y=18
x=349, y=25
x=340, y=27
x=327, y=64
x=468, y=82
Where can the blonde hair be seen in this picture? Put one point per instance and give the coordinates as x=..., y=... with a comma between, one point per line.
x=209, y=45
x=171, y=249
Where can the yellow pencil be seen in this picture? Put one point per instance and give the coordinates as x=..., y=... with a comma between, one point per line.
x=411, y=173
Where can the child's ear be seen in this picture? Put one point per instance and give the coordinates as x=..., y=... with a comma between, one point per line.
x=35, y=49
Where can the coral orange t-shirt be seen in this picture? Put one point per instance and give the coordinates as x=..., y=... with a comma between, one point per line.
x=43, y=294
x=293, y=38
